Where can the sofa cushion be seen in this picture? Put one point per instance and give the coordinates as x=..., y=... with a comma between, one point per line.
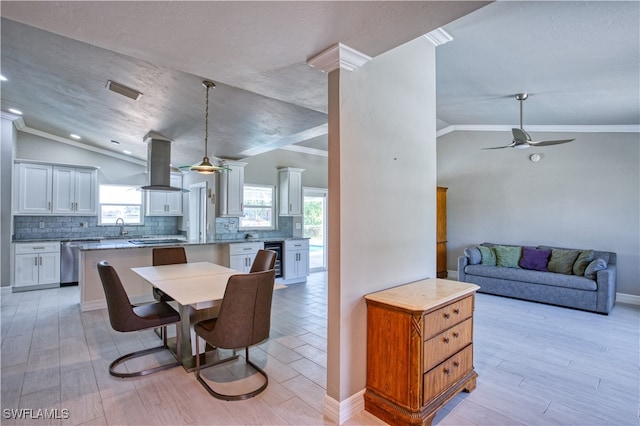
x=488, y=256
x=582, y=261
x=473, y=254
x=535, y=259
x=561, y=261
x=530, y=276
x=507, y=257
x=592, y=269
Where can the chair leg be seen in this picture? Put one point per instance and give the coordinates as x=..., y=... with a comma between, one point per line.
x=232, y=397
x=137, y=354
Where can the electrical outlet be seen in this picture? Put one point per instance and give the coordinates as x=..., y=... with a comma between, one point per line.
x=41, y=225
x=83, y=224
x=298, y=225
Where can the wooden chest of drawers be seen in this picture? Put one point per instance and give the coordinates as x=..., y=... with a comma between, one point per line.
x=419, y=349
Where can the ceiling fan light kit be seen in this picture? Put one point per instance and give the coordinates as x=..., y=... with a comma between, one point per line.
x=521, y=139
x=205, y=167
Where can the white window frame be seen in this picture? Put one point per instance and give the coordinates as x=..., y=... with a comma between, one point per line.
x=128, y=221
x=247, y=207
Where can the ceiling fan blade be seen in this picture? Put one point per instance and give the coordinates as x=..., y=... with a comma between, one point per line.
x=500, y=147
x=520, y=135
x=550, y=142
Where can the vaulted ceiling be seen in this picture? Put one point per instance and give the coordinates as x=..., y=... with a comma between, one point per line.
x=579, y=60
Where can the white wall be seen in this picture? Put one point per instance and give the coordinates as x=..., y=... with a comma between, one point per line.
x=262, y=169
x=8, y=135
x=382, y=183
x=584, y=194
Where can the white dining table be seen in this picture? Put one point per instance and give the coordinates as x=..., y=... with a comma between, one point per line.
x=195, y=287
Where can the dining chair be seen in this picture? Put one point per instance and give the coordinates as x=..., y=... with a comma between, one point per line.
x=125, y=317
x=244, y=320
x=166, y=256
x=264, y=260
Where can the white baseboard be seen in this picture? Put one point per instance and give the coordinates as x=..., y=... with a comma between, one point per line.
x=94, y=305
x=340, y=412
x=627, y=298
x=452, y=274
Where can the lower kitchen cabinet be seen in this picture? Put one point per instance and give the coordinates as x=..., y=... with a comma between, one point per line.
x=296, y=261
x=241, y=255
x=36, y=265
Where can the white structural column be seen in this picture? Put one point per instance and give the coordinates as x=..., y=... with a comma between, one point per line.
x=382, y=184
x=8, y=137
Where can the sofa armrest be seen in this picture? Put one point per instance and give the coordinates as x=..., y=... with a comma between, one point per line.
x=606, y=289
x=462, y=262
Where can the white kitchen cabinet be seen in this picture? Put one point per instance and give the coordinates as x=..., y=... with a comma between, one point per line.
x=36, y=265
x=33, y=188
x=46, y=189
x=166, y=203
x=290, y=191
x=296, y=261
x=74, y=190
x=231, y=189
x=242, y=255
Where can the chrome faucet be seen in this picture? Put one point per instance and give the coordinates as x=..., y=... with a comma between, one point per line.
x=120, y=221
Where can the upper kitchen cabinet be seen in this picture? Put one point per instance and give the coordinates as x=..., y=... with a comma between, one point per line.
x=231, y=189
x=74, y=191
x=166, y=203
x=42, y=189
x=290, y=191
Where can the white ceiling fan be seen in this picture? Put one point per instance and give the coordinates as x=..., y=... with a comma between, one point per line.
x=521, y=139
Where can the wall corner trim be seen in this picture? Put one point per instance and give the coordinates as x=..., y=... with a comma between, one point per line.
x=338, y=56
x=340, y=412
x=630, y=299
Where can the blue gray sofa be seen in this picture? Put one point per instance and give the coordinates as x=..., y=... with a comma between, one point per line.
x=594, y=292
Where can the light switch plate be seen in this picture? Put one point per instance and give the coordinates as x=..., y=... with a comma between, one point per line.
x=298, y=225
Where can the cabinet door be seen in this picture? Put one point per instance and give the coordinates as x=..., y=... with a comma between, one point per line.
x=34, y=188
x=290, y=191
x=290, y=264
x=63, y=190
x=49, y=268
x=235, y=193
x=156, y=203
x=174, y=199
x=303, y=263
x=85, y=191
x=295, y=193
x=238, y=262
x=26, y=269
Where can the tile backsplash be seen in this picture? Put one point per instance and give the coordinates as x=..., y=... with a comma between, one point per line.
x=227, y=228
x=83, y=227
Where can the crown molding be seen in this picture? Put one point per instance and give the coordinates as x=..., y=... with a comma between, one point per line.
x=17, y=120
x=338, y=56
x=80, y=145
x=438, y=37
x=623, y=128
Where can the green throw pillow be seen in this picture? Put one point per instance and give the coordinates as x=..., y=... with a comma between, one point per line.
x=508, y=257
x=562, y=261
x=488, y=256
x=582, y=261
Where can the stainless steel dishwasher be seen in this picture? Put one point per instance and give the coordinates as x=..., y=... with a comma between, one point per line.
x=69, y=261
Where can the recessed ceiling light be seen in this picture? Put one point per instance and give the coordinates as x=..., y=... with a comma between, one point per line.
x=127, y=152
x=3, y=78
x=74, y=136
x=113, y=141
x=15, y=111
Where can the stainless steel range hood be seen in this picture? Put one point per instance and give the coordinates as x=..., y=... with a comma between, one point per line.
x=159, y=163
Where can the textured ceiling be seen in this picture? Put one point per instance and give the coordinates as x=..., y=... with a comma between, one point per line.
x=579, y=60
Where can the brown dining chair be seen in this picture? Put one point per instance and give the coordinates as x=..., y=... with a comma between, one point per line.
x=265, y=260
x=244, y=320
x=125, y=317
x=166, y=256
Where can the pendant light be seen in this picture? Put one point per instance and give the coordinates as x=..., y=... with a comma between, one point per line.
x=206, y=167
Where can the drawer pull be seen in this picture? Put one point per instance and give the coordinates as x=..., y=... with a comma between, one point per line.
x=446, y=315
x=456, y=334
x=447, y=371
x=456, y=364
x=456, y=311
x=445, y=339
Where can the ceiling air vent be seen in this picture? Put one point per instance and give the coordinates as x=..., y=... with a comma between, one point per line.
x=123, y=90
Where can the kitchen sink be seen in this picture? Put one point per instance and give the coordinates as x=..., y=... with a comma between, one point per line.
x=147, y=242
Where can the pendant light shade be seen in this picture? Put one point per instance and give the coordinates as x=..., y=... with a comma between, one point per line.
x=205, y=167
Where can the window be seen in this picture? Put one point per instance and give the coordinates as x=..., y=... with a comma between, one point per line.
x=120, y=201
x=258, y=207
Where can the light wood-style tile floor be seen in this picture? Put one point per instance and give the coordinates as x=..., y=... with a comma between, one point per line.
x=537, y=365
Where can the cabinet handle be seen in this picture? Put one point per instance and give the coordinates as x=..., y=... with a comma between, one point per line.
x=36, y=259
x=290, y=206
x=446, y=315
x=37, y=248
x=445, y=339
x=447, y=371
x=456, y=334
x=456, y=364
x=49, y=208
x=456, y=311
x=40, y=257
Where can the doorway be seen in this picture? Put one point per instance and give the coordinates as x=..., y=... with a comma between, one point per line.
x=197, y=230
x=315, y=227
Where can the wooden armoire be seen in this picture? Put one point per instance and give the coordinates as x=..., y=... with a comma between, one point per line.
x=441, y=232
